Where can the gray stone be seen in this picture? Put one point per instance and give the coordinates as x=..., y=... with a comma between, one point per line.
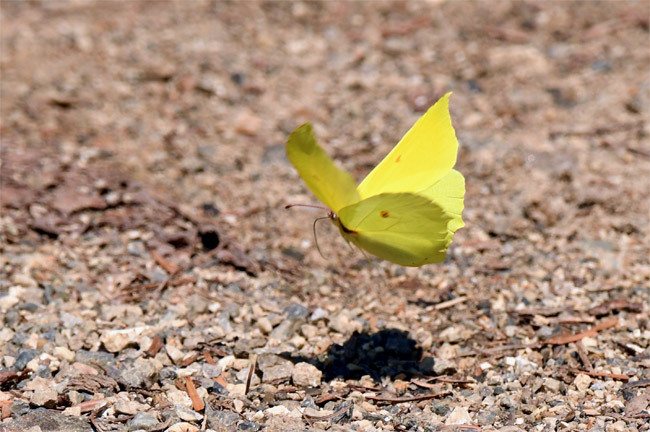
x=140, y=373
x=296, y=311
x=71, y=321
x=508, y=402
x=50, y=421
x=102, y=358
x=25, y=357
x=143, y=421
x=211, y=371
x=278, y=373
x=221, y=420
x=486, y=417
x=187, y=414
x=19, y=407
x=243, y=347
x=442, y=409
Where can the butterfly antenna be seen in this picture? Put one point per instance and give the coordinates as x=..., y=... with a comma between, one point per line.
x=316, y=237
x=288, y=206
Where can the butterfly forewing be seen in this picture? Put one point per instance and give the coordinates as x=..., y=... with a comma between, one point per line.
x=333, y=186
x=424, y=155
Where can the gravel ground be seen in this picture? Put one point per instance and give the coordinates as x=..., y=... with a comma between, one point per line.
x=151, y=279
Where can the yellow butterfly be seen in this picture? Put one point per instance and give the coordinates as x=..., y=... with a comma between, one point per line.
x=407, y=209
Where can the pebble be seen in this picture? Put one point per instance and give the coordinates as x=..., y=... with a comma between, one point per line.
x=247, y=123
x=458, y=416
x=140, y=373
x=444, y=367
x=182, y=427
x=582, y=382
x=116, y=340
x=64, y=353
x=306, y=375
x=319, y=313
x=75, y=397
x=211, y=371
x=309, y=331
x=552, y=385
x=619, y=426
x=456, y=333
x=486, y=417
x=277, y=374
x=35, y=420
x=175, y=354
x=342, y=323
x=277, y=410
x=24, y=357
x=142, y=421
x=264, y=324
x=129, y=407
x=220, y=419
x=12, y=298
x=45, y=394
x=103, y=359
x=187, y=414
x=442, y=409
x=509, y=403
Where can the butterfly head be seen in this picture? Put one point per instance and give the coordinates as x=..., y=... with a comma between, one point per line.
x=337, y=221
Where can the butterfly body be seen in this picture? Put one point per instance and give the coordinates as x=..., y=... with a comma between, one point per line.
x=408, y=208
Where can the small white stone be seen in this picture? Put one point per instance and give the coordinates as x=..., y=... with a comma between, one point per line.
x=182, y=427
x=73, y=411
x=174, y=353
x=226, y=362
x=129, y=407
x=6, y=334
x=14, y=294
x=458, y=416
x=64, y=353
x=277, y=410
x=264, y=324
x=306, y=375
x=308, y=330
x=619, y=426
x=117, y=340
x=236, y=389
x=582, y=382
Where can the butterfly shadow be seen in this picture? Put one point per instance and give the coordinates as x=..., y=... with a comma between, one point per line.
x=388, y=353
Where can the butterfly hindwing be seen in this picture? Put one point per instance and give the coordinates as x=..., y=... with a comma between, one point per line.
x=333, y=186
x=448, y=193
x=404, y=228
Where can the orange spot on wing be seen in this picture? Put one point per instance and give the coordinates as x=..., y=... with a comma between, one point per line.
x=398, y=158
x=384, y=214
